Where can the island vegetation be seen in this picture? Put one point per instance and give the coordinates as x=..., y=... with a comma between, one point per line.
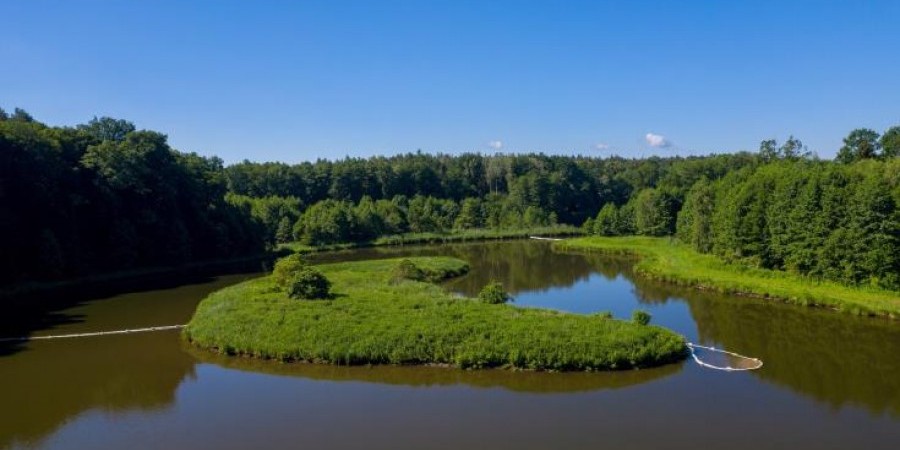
x=389, y=312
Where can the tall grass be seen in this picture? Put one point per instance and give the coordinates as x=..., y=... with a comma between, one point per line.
x=666, y=259
x=373, y=319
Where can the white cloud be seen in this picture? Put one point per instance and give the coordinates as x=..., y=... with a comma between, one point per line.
x=656, y=140
x=602, y=146
x=496, y=145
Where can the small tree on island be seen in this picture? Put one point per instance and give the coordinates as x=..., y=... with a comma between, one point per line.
x=640, y=317
x=309, y=284
x=494, y=294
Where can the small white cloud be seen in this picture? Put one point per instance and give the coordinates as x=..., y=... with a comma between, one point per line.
x=656, y=140
x=496, y=145
x=602, y=146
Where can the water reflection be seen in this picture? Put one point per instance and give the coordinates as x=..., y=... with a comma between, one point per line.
x=54, y=381
x=522, y=381
x=835, y=358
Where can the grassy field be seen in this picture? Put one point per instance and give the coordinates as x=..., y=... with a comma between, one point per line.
x=372, y=320
x=441, y=238
x=668, y=260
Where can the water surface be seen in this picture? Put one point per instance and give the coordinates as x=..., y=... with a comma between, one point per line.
x=829, y=380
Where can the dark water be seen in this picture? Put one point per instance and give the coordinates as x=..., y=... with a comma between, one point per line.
x=829, y=380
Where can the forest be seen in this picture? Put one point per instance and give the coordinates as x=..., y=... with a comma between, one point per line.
x=104, y=196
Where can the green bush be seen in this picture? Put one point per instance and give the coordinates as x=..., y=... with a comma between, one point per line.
x=407, y=270
x=286, y=270
x=494, y=294
x=309, y=284
x=640, y=317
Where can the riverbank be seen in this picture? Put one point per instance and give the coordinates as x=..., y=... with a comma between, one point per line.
x=472, y=235
x=372, y=320
x=667, y=260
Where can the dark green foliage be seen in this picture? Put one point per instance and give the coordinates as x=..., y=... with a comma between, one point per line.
x=494, y=294
x=694, y=224
x=640, y=317
x=861, y=143
x=825, y=220
x=286, y=270
x=309, y=284
x=276, y=214
x=654, y=212
x=792, y=149
x=105, y=197
x=890, y=142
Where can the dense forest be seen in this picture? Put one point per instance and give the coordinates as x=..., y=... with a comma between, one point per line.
x=105, y=196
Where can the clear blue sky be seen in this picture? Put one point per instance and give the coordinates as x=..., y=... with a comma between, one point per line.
x=294, y=81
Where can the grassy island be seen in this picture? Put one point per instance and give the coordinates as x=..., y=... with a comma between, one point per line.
x=668, y=260
x=373, y=319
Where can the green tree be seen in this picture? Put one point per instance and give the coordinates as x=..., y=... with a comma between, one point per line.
x=694, y=223
x=471, y=215
x=890, y=142
x=654, y=213
x=861, y=143
x=607, y=221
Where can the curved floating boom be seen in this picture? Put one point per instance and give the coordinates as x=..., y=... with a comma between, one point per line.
x=752, y=363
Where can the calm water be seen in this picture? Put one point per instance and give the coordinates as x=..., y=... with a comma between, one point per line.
x=829, y=380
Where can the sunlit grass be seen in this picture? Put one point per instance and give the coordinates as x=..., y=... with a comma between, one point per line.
x=668, y=260
x=372, y=320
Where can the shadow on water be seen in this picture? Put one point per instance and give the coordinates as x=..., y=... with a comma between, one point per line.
x=46, y=383
x=52, y=309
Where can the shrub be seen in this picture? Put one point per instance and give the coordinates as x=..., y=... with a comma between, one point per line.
x=640, y=317
x=407, y=270
x=494, y=294
x=286, y=270
x=309, y=284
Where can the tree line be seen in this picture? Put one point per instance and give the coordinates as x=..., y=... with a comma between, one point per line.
x=105, y=196
x=835, y=220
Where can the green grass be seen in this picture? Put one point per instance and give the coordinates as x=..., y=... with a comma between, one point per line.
x=666, y=259
x=440, y=238
x=371, y=320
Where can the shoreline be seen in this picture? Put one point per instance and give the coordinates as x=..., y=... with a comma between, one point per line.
x=665, y=260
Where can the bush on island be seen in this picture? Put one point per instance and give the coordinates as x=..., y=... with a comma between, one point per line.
x=494, y=294
x=286, y=270
x=309, y=284
x=407, y=270
x=640, y=317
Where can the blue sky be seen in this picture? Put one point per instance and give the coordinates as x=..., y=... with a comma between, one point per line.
x=295, y=81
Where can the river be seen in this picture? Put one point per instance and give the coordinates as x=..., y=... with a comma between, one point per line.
x=829, y=380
